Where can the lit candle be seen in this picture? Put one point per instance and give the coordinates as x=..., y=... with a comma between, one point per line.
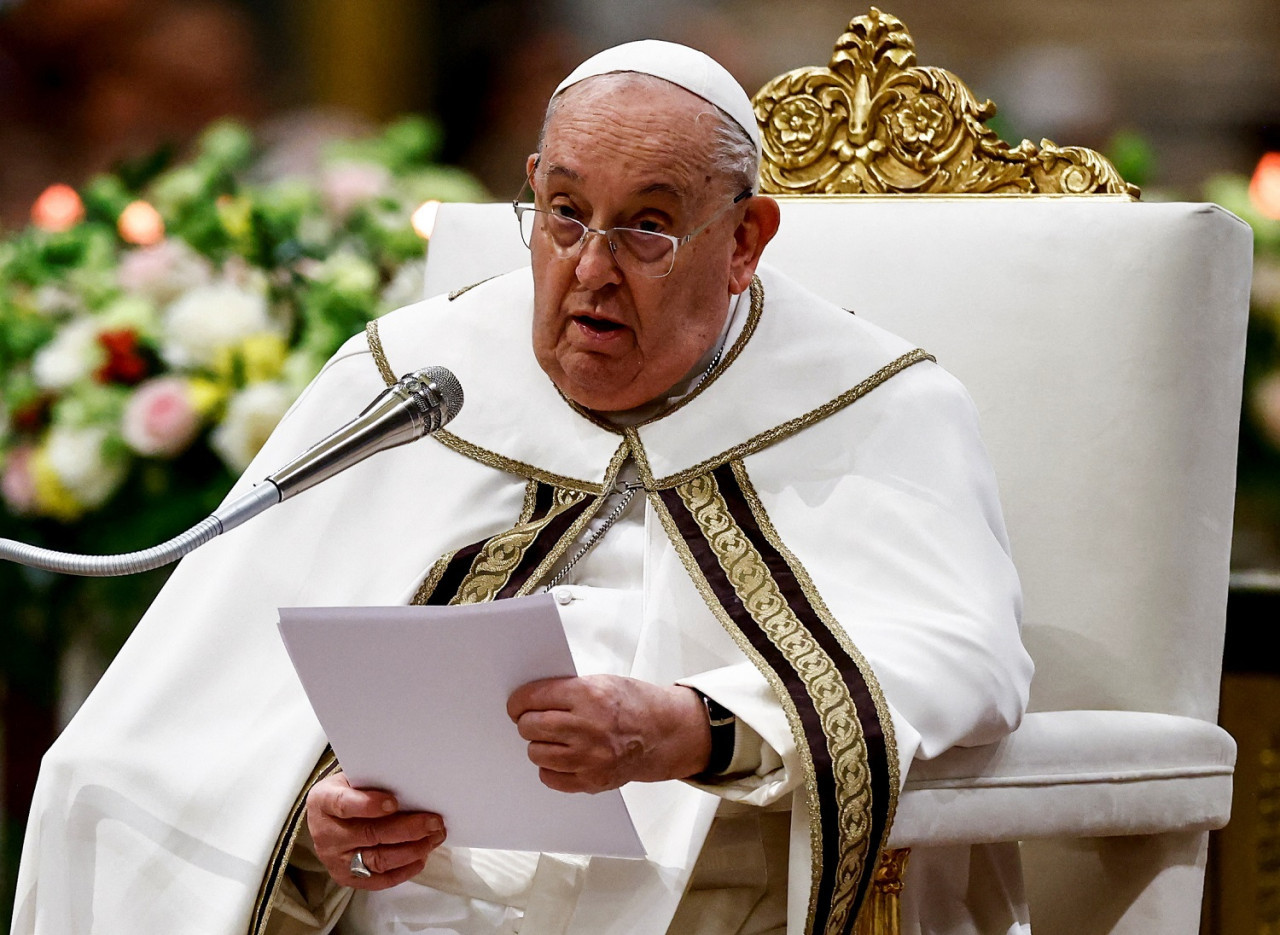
x=1264, y=189
x=424, y=219
x=141, y=224
x=57, y=209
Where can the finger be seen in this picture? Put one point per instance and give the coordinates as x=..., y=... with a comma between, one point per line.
x=542, y=695
x=384, y=881
x=389, y=858
x=549, y=726
x=335, y=835
x=561, y=757
x=570, y=782
x=336, y=797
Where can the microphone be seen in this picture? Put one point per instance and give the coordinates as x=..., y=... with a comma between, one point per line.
x=422, y=402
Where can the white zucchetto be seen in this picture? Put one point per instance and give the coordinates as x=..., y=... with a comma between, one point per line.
x=692, y=70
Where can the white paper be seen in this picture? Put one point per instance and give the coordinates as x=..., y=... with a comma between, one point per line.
x=413, y=700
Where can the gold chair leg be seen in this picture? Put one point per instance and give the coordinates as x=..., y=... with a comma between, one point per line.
x=881, y=912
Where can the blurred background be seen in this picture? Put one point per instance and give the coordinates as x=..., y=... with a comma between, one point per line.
x=154, y=152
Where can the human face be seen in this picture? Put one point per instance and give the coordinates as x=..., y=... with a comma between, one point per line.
x=622, y=152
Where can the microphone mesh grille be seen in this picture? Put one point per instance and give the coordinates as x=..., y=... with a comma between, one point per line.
x=447, y=385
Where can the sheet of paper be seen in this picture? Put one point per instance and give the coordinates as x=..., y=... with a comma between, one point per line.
x=413, y=700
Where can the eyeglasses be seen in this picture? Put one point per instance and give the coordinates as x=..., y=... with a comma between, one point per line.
x=645, y=253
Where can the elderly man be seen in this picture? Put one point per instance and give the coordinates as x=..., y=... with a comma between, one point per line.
x=770, y=527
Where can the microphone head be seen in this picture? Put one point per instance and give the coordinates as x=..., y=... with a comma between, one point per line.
x=436, y=392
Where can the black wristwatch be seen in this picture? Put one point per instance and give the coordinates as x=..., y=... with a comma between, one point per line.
x=724, y=730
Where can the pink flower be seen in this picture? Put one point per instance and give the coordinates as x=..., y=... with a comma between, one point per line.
x=347, y=185
x=17, y=485
x=164, y=271
x=160, y=419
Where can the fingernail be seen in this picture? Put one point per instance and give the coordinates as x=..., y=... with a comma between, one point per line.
x=388, y=805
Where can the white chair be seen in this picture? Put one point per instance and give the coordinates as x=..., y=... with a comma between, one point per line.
x=1103, y=341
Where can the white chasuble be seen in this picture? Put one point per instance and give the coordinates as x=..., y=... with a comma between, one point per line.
x=821, y=550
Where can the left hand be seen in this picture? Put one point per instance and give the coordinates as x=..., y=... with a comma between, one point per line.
x=597, y=732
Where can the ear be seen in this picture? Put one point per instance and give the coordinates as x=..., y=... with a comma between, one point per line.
x=530, y=164
x=759, y=224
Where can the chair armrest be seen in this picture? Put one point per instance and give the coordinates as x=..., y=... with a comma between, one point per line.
x=1072, y=774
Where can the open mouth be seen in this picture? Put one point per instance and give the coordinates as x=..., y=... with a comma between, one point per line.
x=597, y=325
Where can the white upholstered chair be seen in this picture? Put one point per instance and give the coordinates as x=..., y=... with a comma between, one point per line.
x=1103, y=341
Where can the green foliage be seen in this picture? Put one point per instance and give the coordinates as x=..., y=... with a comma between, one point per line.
x=136, y=380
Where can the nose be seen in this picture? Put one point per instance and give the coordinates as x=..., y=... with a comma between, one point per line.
x=597, y=265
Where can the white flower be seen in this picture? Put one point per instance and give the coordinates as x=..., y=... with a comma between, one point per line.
x=209, y=319
x=346, y=272
x=252, y=415
x=160, y=418
x=53, y=300
x=71, y=356
x=163, y=272
x=78, y=457
x=407, y=286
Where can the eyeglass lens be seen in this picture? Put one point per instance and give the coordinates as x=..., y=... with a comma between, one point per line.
x=653, y=253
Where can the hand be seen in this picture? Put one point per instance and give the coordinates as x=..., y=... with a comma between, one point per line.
x=394, y=844
x=599, y=732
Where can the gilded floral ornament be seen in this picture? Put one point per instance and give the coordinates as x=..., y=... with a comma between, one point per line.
x=874, y=122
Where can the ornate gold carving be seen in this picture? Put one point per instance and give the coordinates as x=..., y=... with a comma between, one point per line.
x=874, y=122
x=881, y=911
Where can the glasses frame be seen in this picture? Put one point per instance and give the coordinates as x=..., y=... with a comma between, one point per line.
x=523, y=208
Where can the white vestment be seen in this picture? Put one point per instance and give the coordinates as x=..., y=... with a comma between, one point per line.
x=160, y=807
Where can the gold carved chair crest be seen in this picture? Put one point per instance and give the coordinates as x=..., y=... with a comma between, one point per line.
x=874, y=122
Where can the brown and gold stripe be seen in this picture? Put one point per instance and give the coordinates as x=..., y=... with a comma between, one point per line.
x=835, y=706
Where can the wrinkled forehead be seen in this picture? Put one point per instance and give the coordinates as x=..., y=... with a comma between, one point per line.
x=634, y=129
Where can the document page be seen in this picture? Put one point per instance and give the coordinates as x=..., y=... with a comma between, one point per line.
x=413, y=700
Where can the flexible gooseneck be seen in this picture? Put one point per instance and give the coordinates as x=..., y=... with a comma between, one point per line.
x=419, y=404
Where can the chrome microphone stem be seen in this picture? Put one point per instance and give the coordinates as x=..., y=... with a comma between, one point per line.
x=391, y=420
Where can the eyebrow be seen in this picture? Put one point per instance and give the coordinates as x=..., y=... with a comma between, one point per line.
x=655, y=188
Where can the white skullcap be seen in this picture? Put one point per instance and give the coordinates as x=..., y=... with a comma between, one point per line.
x=692, y=70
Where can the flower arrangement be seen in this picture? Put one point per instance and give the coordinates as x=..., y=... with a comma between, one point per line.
x=156, y=325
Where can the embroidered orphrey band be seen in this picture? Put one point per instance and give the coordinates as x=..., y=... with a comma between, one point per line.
x=832, y=699
x=279, y=863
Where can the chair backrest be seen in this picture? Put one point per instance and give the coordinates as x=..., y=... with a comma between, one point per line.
x=1103, y=343
x=1102, y=339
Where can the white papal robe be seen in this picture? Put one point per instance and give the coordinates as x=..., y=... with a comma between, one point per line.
x=857, y=461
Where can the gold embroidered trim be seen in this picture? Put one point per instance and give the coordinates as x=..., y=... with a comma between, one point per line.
x=745, y=568
x=748, y=329
x=379, y=355
x=530, y=501
x=465, y=289
x=271, y=882
x=432, y=580
x=501, y=555
x=820, y=607
x=848, y=753
x=512, y=466
x=709, y=598
x=571, y=535
x=792, y=426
